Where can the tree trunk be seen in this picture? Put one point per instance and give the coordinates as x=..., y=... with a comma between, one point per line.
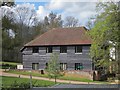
x=55, y=80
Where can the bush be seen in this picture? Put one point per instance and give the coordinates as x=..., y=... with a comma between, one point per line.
x=8, y=66
x=17, y=86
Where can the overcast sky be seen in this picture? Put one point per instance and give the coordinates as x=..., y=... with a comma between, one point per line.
x=81, y=10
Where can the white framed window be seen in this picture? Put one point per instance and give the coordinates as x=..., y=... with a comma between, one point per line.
x=78, y=49
x=63, y=66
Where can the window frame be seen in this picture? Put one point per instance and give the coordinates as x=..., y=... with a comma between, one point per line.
x=78, y=49
x=63, y=49
x=80, y=66
x=35, y=49
x=34, y=67
x=63, y=66
x=49, y=49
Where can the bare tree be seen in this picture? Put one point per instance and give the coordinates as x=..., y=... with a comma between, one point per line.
x=71, y=21
x=52, y=21
x=25, y=16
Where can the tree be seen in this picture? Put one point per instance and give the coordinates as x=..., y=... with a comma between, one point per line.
x=70, y=21
x=106, y=29
x=7, y=3
x=90, y=23
x=53, y=68
x=7, y=26
x=52, y=21
x=26, y=16
x=19, y=26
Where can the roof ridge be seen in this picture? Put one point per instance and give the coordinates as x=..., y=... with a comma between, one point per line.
x=67, y=35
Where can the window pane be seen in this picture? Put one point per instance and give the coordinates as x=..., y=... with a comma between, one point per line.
x=63, y=49
x=35, y=50
x=78, y=49
x=78, y=66
x=35, y=66
x=48, y=49
x=63, y=66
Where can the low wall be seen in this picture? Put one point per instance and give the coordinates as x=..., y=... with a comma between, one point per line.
x=80, y=74
x=75, y=73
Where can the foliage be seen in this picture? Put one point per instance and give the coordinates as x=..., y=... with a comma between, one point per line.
x=14, y=82
x=106, y=29
x=8, y=65
x=20, y=25
x=27, y=73
x=52, y=21
x=53, y=68
x=16, y=30
x=7, y=3
x=63, y=77
x=71, y=21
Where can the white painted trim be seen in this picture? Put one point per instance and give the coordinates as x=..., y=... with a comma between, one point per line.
x=63, y=53
x=78, y=53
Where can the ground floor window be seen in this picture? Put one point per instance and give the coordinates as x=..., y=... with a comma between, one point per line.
x=63, y=66
x=35, y=66
x=78, y=66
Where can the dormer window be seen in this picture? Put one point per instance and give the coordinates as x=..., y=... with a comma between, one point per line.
x=35, y=50
x=78, y=49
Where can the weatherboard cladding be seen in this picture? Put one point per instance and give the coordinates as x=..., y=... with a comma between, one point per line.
x=62, y=36
x=70, y=58
x=57, y=37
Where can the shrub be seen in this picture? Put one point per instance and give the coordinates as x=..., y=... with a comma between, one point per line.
x=7, y=66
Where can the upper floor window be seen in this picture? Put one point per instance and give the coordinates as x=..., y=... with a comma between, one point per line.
x=63, y=49
x=35, y=50
x=78, y=49
x=49, y=50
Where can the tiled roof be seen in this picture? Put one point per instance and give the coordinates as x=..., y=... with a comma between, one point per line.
x=62, y=36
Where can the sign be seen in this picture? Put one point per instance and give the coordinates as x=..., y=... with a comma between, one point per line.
x=19, y=66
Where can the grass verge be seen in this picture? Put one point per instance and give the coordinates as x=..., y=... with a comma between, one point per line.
x=9, y=81
x=62, y=77
x=10, y=63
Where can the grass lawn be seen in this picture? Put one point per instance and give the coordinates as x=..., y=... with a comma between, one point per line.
x=7, y=65
x=27, y=73
x=10, y=63
x=62, y=77
x=8, y=81
x=75, y=79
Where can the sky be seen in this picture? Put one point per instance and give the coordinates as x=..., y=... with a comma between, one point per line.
x=80, y=10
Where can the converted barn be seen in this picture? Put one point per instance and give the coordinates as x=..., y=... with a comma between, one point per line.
x=71, y=44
